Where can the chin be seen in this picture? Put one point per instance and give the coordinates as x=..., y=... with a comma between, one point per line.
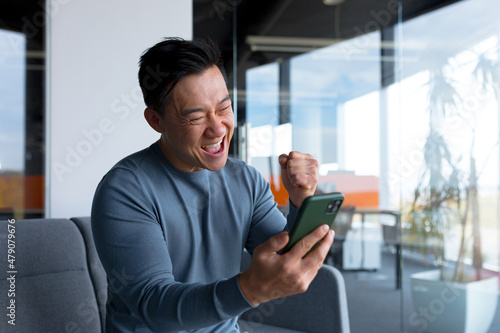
x=216, y=166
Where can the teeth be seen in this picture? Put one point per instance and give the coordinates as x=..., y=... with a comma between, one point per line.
x=214, y=145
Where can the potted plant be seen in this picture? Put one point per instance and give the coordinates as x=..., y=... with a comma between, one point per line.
x=457, y=296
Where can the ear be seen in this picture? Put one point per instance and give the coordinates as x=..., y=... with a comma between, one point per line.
x=154, y=120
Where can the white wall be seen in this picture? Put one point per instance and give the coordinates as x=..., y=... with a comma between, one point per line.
x=95, y=108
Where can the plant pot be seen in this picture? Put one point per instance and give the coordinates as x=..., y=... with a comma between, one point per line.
x=453, y=307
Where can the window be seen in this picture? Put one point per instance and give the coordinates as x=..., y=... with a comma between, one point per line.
x=22, y=126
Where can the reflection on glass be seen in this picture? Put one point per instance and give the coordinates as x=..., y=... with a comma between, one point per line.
x=12, y=122
x=450, y=171
x=334, y=113
x=421, y=145
x=267, y=138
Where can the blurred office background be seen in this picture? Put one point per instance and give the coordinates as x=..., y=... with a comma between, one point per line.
x=398, y=100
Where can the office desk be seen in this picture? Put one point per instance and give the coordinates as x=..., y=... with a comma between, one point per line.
x=390, y=238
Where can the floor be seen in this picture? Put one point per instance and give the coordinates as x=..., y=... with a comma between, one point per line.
x=376, y=306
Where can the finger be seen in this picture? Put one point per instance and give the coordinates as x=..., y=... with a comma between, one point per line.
x=283, y=159
x=303, y=176
x=275, y=243
x=307, y=242
x=320, y=252
x=303, y=180
x=313, y=261
x=309, y=163
x=300, y=156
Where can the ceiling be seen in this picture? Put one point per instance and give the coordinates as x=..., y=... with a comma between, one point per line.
x=288, y=18
x=305, y=19
x=24, y=16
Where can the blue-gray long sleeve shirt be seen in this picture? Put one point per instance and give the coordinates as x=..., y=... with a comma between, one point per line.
x=174, y=239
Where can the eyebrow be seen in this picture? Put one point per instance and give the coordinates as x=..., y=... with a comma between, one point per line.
x=189, y=111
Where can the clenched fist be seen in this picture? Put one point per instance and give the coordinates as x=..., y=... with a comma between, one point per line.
x=299, y=173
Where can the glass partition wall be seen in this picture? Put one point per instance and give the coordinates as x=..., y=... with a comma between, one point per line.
x=22, y=111
x=399, y=102
x=449, y=158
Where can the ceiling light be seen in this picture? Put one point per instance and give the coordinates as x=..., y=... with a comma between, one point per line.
x=333, y=2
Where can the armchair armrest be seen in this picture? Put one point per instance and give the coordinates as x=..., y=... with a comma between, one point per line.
x=322, y=308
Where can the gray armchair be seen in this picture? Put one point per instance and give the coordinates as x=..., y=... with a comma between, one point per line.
x=322, y=308
x=54, y=287
x=60, y=286
x=341, y=226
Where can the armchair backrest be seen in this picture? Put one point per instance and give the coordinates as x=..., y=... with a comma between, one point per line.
x=52, y=288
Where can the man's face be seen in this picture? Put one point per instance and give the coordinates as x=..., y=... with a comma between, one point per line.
x=198, y=122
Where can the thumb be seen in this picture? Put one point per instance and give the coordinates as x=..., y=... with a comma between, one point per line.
x=275, y=243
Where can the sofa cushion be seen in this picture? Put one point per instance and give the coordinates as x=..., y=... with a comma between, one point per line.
x=53, y=289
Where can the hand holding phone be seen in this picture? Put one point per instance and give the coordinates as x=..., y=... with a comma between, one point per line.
x=316, y=210
x=271, y=275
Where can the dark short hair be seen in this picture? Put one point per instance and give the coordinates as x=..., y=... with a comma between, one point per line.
x=162, y=66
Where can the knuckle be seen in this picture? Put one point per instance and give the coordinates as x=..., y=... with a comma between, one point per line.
x=296, y=280
x=289, y=278
x=259, y=252
x=302, y=286
x=287, y=271
x=274, y=242
x=319, y=264
x=292, y=163
x=306, y=244
x=324, y=249
x=318, y=232
x=300, y=178
x=315, y=177
x=316, y=260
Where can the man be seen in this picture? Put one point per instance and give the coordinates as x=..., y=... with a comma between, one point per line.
x=173, y=219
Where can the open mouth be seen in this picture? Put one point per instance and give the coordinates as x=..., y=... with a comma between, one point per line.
x=215, y=148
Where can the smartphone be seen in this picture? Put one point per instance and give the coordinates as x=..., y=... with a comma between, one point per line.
x=316, y=210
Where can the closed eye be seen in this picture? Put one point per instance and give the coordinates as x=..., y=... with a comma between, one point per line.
x=227, y=108
x=196, y=120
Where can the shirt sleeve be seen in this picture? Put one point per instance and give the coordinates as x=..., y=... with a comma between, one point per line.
x=131, y=244
x=267, y=219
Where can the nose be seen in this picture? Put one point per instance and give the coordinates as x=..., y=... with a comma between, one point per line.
x=216, y=127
